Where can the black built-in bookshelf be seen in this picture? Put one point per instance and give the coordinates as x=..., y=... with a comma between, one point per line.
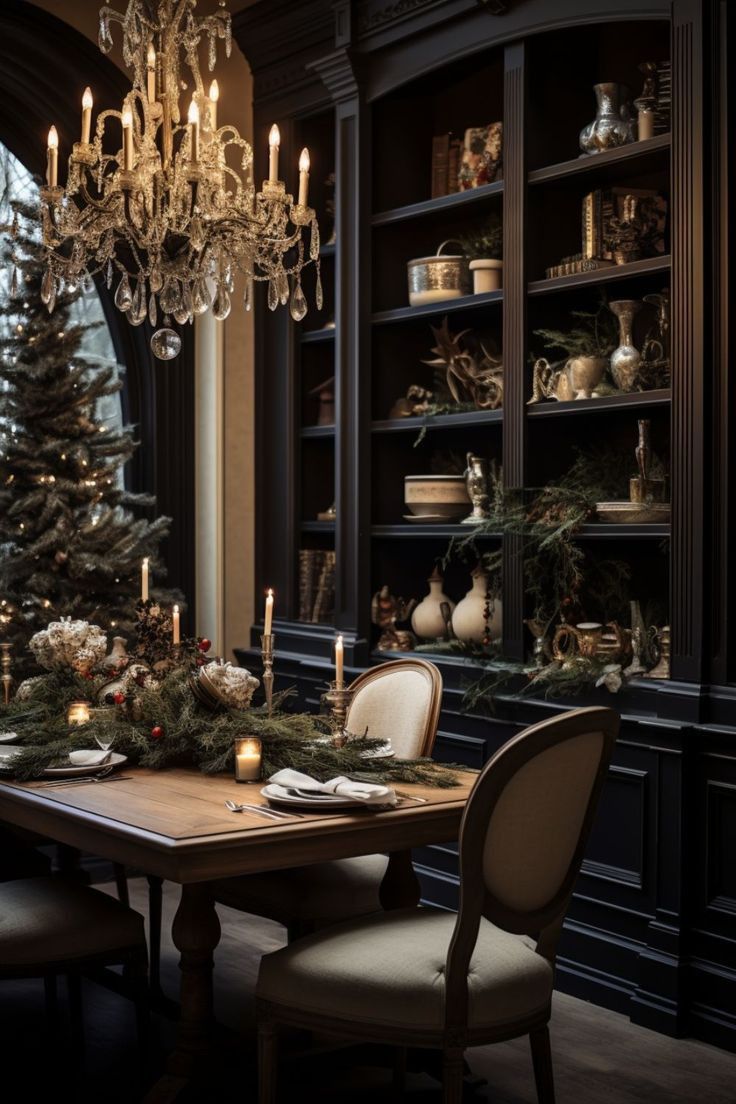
x=368, y=86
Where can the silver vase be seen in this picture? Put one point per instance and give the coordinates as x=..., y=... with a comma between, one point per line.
x=612, y=125
x=626, y=359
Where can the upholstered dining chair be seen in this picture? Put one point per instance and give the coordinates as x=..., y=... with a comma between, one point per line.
x=426, y=978
x=399, y=701
x=50, y=927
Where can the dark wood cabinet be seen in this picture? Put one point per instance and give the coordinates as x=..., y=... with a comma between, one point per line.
x=367, y=86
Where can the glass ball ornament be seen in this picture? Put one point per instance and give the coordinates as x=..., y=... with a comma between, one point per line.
x=165, y=344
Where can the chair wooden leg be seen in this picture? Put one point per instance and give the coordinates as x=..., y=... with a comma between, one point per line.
x=121, y=882
x=453, y=1069
x=76, y=1019
x=267, y=1062
x=542, y=1059
x=155, y=895
x=399, y=1072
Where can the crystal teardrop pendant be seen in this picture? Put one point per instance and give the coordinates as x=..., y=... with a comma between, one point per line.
x=156, y=280
x=319, y=298
x=221, y=304
x=52, y=297
x=165, y=344
x=283, y=289
x=108, y=275
x=171, y=296
x=88, y=285
x=248, y=294
x=124, y=296
x=152, y=311
x=181, y=314
x=201, y=296
x=273, y=299
x=14, y=282
x=138, y=311
x=196, y=233
x=314, y=241
x=298, y=305
x=47, y=286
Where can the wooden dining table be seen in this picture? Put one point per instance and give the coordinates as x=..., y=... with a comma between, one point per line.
x=173, y=824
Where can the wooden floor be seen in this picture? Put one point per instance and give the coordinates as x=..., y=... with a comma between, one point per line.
x=600, y=1058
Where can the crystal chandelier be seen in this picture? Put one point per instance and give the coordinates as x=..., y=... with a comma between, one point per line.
x=172, y=214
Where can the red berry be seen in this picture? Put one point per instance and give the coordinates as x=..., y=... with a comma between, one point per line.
x=157, y=732
x=118, y=697
x=201, y=661
x=204, y=644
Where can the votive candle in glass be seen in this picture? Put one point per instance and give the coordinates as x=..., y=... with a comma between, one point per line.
x=247, y=759
x=77, y=713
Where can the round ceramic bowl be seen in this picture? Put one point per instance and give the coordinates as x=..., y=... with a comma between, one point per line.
x=443, y=496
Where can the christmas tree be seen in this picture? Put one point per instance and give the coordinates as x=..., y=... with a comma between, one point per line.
x=70, y=541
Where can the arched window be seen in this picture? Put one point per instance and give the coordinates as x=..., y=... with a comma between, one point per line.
x=17, y=184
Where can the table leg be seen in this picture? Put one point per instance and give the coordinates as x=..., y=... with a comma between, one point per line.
x=400, y=886
x=196, y=933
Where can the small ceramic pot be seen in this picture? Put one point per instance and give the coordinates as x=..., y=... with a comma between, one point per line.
x=436, y=495
x=487, y=275
x=432, y=279
x=428, y=619
x=469, y=622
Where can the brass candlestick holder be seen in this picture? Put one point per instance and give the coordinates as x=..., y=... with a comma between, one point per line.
x=267, y=657
x=6, y=662
x=338, y=699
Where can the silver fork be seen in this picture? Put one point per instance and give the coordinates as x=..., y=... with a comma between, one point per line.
x=261, y=810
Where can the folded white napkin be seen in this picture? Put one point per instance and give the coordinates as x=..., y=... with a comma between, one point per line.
x=366, y=793
x=88, y=758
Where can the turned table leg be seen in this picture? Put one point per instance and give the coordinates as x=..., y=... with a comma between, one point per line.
x=196, y=933
x=400, y=886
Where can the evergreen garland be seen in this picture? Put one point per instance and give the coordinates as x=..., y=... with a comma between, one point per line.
x=173, y=729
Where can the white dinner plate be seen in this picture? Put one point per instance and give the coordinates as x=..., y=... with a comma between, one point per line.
x=385, y=751
x=277, y=795
x=8, y=737
x=9, y=751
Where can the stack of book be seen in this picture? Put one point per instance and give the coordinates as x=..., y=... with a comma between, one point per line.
x=662, y=109
x=316, y=585
x=446, y=154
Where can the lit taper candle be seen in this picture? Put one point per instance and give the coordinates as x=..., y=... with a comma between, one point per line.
x=194, y=131
x=52, y=158
x=144, y=580
x=268, y=619
x=274, y=141
x=151, y=73
x=176, y=625
x=339, y=664
x=214, y=97
x=86, y=115
x=127, y=139
x=303, y=177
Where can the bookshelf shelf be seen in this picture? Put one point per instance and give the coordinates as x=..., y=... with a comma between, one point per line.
x=317, y=527
x=444, y=306
x=637, y=156
x=439, y=421
x=317, y=431
x=650, y=266
x=316, y=337
x=442, y=205
x=637, y=400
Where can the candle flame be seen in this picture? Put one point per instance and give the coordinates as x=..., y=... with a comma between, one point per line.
x=193, y=112
x=270, y=593
x=145, y=561
x=304, y=160
x=87, y=99
x=176, y=609
x=274, y=137
x=53, y=138
x=127, y=117
x=151, y=56
x=214, y=91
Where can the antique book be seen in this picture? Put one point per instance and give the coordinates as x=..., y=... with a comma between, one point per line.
x=453, y=166
x=324, y=600
x=440, y=152
x=307, y=572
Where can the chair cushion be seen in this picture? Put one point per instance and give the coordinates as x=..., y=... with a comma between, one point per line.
x=390, y=970
x=394, y=706
x=323, y=893
x=49, y=920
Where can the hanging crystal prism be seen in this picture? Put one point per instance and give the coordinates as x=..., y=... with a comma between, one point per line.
x=124, y=296
x=221, y=304
x=298, y=306
x=319, y=298
x=152, y=311
x=248, y=294
x=273, y=297
x=47, y=286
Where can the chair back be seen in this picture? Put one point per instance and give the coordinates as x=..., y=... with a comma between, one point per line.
x=524, y=833
x=398, y=701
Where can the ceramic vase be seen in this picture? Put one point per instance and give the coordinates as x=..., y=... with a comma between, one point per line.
x=626, y=359
x=472, y=621
x=612, y=125
x=428, y=620
x=487, y=275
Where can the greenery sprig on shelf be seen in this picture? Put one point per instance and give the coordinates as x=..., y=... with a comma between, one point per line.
x=173, y=729
x=595, y=335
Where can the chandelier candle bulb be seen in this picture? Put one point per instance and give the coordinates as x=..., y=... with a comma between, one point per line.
x=52, y=158
x=339, y=662
x=303, y=177
x=248, y=754
x=176, y=623
x=151, y=73
x=194, y=131
x=274, y=141
x=268, y=619
x=77, y=713
x=86, y=116
x=214, y=97
x=127, y=139
x=144, y=580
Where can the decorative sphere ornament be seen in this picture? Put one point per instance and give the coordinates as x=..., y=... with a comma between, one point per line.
x=157, y=732
x=204, y=644
x=118, y=697
x=165, y=344
x=61, y=557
